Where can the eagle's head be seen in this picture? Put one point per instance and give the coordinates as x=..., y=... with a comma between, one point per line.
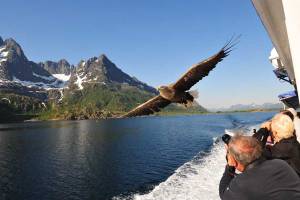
x=162, y=88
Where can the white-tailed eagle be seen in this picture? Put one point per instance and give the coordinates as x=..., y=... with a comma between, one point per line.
x=178, y=92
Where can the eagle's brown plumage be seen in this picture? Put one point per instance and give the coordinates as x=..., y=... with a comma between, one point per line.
x=149, y=107
x=199, y=71
x=181, y=87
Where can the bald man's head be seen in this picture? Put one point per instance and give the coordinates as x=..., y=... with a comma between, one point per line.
x=244, y=149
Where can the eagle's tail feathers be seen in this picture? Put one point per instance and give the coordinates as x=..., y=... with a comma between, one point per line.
x=189, y=104
x=194, y=93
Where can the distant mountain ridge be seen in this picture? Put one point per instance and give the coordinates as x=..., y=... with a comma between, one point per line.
x=253, y=106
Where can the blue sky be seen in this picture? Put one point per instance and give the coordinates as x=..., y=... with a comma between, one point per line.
x=154, y=40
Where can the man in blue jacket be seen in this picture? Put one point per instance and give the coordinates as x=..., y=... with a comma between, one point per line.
x=260, y=178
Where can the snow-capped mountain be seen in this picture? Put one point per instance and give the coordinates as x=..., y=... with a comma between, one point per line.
x=102, y=71
x=16, y=69
x=25, y=77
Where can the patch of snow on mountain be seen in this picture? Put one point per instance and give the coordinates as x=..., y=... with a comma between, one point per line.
x=82, y=73
x=59, y=84
x=80, y=80
x=62, y=77
x=61, y=95
x=30, y=84
x=4, y=81
x=3, y=60
x=49, y=78
x=3, y=54
x=5, y=99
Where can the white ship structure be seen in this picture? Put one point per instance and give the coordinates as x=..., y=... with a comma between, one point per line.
x=281, y=19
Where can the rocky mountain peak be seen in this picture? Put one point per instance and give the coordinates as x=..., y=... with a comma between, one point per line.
x=12, y=46
x=103, y=58
x=64, y=62
x=60, y=67
x=17, y=71
x=105, y=61
x=103, y=71
x=91, y=60
x=65, y=67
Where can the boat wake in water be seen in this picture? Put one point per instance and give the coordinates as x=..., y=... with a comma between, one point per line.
x=196, y=179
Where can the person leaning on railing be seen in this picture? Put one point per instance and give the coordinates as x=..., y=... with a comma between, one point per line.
x=260, y=178
x=280, y=131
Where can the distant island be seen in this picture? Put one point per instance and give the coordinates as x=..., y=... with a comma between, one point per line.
x=93, y=89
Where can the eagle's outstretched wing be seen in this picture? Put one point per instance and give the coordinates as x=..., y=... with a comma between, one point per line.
x=200, y=70
x=149, y=107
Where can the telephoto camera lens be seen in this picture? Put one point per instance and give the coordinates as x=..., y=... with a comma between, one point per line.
x=226, y=138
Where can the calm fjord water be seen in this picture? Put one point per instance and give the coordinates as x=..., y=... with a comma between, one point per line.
x=118, y=158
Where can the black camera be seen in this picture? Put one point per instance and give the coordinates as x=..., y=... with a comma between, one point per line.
x=226, y=138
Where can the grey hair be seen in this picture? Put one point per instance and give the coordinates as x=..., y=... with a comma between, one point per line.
x=283, y=125
x=245, y=149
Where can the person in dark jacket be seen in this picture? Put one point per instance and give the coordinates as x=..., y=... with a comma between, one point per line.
x=260, y=178
x=286, y=146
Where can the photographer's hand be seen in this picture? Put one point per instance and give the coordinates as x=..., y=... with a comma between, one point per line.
x=231, y=161
x=228, y=175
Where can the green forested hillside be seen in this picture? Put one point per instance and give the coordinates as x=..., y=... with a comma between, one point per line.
x=18, y=108
x=95, y=101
